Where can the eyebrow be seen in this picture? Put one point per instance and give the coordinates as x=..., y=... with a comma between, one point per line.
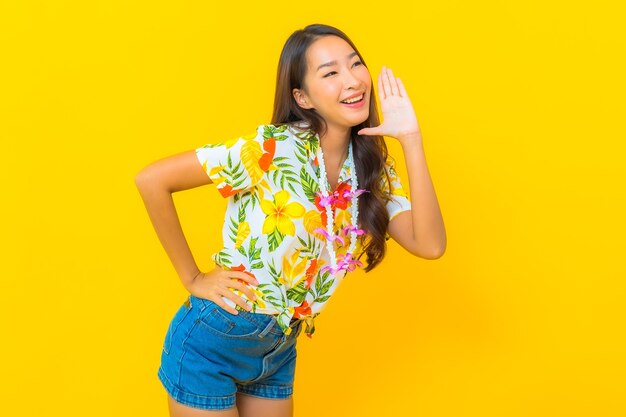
x=331, y=63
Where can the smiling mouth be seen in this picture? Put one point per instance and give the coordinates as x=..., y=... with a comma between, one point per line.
x=352, y=101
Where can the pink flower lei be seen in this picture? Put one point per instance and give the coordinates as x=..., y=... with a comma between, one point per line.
x=346, y=262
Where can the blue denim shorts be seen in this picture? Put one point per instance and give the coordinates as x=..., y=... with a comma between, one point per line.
x=210, y=354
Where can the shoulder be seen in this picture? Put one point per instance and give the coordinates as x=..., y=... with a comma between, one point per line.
x=388, y=169
x=291, y=134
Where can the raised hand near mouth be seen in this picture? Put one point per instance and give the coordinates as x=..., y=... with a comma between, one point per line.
x=399, y=119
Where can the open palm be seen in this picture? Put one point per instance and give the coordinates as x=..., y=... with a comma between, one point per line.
x=399, y=118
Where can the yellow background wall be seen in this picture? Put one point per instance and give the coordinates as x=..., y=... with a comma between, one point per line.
x=521, y=106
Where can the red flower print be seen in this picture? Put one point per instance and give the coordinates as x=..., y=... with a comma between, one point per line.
x=303, y=309
x=310, y=273
x=227, y=190
x=269, y=145
x=341, y=202
x=242, y=268
x=321, y=209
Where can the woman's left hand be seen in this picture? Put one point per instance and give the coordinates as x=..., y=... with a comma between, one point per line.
x=399, y=118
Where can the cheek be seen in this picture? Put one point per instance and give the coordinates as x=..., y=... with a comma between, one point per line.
x=366, y=77
x=331, y=91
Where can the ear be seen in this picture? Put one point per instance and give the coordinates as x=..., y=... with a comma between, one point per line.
x=301, y=99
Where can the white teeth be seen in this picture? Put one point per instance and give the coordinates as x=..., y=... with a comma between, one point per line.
x=352, y=100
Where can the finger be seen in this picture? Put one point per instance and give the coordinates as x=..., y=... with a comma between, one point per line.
x=220, y=302
x=403, y=92
x=381, y=90
x=368, y=131
x=386, y=85
x=241, y=275
x=244, y=289
x=248, y=278
x=237, y=300
x=393, y=83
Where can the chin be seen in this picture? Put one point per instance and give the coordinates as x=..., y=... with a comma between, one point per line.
x=361, y=119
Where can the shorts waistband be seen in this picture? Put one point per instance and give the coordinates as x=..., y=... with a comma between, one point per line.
x=256, y=317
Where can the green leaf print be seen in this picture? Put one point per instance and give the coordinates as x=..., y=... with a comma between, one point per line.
x=274, y=239
x=298, y=293
x=223, y=258
x=285, y=173
x=235, y=175
x=278, y=163
x=270, y=131
x=242, y=210
x=302, y=152
x=276, y=275
x=309, y=184
x=322, y=299
x=248, y=196
x=306, y=146
x=234, y=224
x=322, y=285
x=254, y=254
x=310, y=247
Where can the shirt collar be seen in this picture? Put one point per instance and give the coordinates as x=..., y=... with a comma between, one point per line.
x=344, y=174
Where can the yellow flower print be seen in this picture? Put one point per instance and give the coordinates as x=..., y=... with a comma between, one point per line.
x=259, y=297
x=279, y=214
x=313, y=220
x=342, y=218
x=250, y=136
x=398, y=191
x=243, y=230
x=293, y=271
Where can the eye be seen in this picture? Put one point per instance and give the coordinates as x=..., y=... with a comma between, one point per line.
x=333, y=72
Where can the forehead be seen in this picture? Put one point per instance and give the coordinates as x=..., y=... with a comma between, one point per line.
x=326, y=49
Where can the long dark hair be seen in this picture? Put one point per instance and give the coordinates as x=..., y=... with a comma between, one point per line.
x=370, y=152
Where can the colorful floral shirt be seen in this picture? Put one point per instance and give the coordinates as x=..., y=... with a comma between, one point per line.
x=270, y=178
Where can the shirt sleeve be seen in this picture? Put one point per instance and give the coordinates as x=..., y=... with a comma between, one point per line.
x=399, y=198
x=235, y=165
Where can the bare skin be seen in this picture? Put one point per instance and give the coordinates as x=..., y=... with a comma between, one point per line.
x=247, y=406
x=156, y=183
x=334, y=73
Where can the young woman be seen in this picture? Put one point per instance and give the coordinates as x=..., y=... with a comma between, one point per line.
x=308, y=195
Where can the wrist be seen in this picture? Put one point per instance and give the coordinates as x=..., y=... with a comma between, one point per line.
x=189, y=281
x=410, y=138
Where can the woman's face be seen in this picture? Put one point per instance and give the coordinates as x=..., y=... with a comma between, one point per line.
x=335, y=73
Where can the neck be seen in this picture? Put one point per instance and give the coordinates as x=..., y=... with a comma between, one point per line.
x=335, y=143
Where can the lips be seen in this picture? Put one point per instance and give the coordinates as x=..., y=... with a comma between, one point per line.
x=356, y=105
x=352, y=97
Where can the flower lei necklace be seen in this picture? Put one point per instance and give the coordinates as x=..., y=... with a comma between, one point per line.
x=346, y=262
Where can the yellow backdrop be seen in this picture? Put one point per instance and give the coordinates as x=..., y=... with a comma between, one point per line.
x=522, y=112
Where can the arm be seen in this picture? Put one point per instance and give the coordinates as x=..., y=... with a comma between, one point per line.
x=420, y=230
x=156, y=183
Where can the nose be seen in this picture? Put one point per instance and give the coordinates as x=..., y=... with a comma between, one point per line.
x=350, y=81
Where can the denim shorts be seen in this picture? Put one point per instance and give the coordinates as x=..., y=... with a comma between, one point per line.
x=210, y=354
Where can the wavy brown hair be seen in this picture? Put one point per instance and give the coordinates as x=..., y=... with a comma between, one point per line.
x=370, y=152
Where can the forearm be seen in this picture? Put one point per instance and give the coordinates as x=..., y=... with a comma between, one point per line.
x=164, y=218
x=428, y=226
